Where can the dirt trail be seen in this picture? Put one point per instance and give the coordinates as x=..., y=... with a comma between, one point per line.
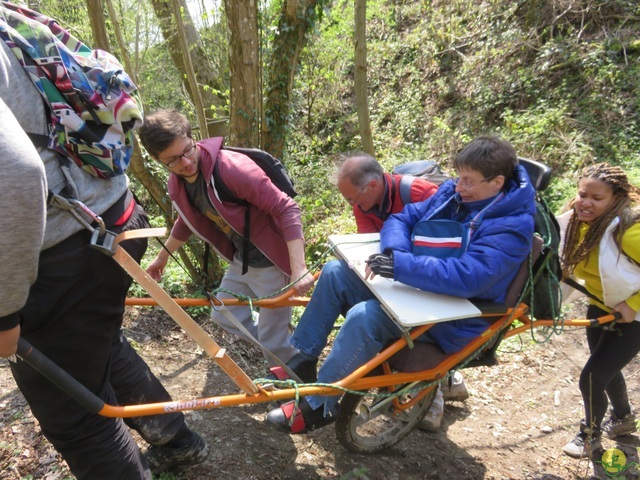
x=513, y=426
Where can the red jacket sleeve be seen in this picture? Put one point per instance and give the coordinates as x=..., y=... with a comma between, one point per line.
x=422, y=189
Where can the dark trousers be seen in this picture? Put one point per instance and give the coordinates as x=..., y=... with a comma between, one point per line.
x=74, y=316
x=602, y=376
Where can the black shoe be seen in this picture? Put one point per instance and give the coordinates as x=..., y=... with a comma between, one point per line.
x=307, y=370
x=305, y=420
x=161, y=458
x=587, y=443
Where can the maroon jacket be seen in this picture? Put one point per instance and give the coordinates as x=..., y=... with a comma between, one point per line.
x=275, y=217
x=372, y=220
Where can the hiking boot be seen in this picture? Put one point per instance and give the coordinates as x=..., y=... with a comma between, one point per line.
x=305, y=419
x=616, y=427
x=433, y=418
x=454, y=388
x=161, y=457
x=307, y=370
x=583, y=446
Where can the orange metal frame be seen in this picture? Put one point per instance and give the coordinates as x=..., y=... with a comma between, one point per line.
x=361, y=379
x=358, y=380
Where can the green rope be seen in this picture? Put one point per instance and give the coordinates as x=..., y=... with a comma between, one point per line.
x=553, y=285
x=288, y=383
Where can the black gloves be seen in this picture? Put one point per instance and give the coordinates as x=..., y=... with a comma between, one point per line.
x=381, y=264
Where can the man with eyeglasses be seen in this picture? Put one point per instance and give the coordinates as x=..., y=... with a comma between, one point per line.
x=488, y=211
x=374, y=196
x=373, y=193
x=276, y=252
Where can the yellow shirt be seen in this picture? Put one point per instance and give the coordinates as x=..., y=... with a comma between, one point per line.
x=589, y=270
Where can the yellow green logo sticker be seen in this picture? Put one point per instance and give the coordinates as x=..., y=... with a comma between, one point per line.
x=614, y=462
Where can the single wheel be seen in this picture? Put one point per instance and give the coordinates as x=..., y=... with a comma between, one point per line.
x=369, y=424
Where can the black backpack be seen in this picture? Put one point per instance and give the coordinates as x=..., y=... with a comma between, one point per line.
x=276, y=172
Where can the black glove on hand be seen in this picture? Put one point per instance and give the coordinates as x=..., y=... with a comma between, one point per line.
x=381, y=264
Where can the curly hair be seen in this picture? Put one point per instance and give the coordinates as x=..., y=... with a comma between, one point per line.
x=625, y=197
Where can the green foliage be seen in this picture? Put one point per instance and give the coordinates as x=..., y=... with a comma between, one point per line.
x=557, y=80
x=70, y=14
x=166, y=476
x=319, y=200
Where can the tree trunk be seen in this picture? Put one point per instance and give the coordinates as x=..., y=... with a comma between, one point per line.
x=297, y=18
x=360, y=77
x=207, y=77
x=188, y=66
x=152, y=183
x=124, y=52
x=245, y=114
x=98, y=25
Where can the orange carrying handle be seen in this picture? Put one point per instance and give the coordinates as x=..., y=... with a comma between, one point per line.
x=287, y=298
x=356, y=381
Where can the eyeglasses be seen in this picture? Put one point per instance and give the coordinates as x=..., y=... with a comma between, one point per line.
x=469, y=186
x=174, y=161
x=355, y=200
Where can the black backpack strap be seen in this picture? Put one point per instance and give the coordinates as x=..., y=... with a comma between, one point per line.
x=226, y=196
x=245, y=240
x=223, y=191
x=573, y=284
x=38, y=139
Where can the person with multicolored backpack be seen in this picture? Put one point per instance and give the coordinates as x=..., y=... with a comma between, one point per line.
x=74, y=312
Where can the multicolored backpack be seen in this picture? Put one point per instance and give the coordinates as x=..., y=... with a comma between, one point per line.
x=94, y=105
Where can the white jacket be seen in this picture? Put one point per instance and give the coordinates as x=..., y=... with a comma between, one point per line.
x=620, y=277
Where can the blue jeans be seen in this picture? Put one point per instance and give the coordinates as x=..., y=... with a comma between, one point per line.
x=338, y=289
x=366, y=331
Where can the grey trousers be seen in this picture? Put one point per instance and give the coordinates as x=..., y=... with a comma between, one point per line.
x=271, y=325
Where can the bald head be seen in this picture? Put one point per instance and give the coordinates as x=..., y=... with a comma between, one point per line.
x=359, y=169
x=360, y=179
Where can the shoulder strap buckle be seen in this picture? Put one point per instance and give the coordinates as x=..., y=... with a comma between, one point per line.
x=104, y=242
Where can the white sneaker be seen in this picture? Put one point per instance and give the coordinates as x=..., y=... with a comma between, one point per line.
x=457, y=390
x=433, y=419
x=583, y=446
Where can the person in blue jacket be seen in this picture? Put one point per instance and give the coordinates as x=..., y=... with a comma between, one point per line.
x=486, y=217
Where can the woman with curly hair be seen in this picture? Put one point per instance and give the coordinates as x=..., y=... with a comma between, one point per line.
x=601, y=247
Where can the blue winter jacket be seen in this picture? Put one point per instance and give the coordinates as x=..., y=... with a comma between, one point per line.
x=496, y=249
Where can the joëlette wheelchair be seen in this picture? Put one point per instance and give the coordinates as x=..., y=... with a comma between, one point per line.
x=384, y=400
